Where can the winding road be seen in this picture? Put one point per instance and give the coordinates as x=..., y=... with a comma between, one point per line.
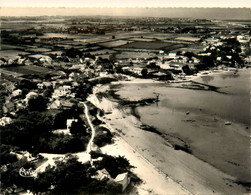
x=89, y=146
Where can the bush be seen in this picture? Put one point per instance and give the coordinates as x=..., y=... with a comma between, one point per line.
x=95, y=154
x=7, y=158
x=102, y=137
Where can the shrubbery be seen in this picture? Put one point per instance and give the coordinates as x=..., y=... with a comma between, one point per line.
x=114, y=165
x=37, y=104
x=5, y=155
x=32, y=131
x=60, y=119
x=103, y=136
x=73, y=177
x=11, y=178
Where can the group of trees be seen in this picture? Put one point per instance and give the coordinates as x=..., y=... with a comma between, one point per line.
x=37, y=104
x=61, y=117
x=11, y=180
x=73, y=53
x=114, y=165
x=33, y=131
x=70, y=177
x=27, y=129
x=103, y=136
x=230, y=47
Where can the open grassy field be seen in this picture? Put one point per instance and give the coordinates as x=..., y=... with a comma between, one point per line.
x=142, y=39
x=146, y=45
x=116, y=43
x=11, y=54
x=134, y=55
x=27, y=70
x=194, y=49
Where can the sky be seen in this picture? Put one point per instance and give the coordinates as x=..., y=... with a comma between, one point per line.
x=126, y=3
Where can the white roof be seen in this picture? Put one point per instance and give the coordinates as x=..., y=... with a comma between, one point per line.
x=121, y=177
x=69, y=121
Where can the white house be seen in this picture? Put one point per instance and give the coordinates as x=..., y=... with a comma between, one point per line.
x=123, y=179
x=171, y=56
x=5, y=121
x=61, y=91
x=102, y=174
x=16, y=92
x=69, y=122
x=55, y=105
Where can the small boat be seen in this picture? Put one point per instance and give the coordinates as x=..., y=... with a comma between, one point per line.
x=228, y=123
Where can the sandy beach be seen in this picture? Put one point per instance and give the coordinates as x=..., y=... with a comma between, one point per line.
x=193, y=174
x=196, y=176
x=154, y=181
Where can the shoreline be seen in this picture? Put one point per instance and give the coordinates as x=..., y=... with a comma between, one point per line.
x=129, y=128
x=178, y=165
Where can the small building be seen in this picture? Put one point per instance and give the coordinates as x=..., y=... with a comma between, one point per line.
x=5, y=121
x=61, y=91
x=40, y=86
x=8, y=107
x=66, y=104
x=16, y=92
x=69, y=123
x=31, y=95
x=9, y=87
x=102, y=174
x=204, y=54
x=55, y=105
x=123, y=179
x=171, y=56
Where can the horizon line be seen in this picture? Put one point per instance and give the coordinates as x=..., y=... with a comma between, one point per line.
x=136, y=7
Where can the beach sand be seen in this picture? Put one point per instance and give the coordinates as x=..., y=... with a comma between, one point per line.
x=195, y=175
x=190, y=173
x=154, y=181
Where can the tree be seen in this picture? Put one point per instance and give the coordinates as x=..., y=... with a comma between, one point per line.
x=26, y=84
x=186, y=69
x=60, y=119
x=37, y=104
x=73, y=53
x=189, y=54
x=207, y=61
x=144, y=72
x=5, y=155
x=77, y=128
x=178, y=53
x=114, y=165
x=47, y=93
x=67, y=178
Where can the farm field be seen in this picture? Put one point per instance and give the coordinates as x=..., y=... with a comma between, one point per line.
x=26, y=70
x=116, y=43
x=11, y=54
x=133, y=55
x=146, y=45
x=142, y=39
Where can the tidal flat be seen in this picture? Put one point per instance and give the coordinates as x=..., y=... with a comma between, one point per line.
x=212, y=126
